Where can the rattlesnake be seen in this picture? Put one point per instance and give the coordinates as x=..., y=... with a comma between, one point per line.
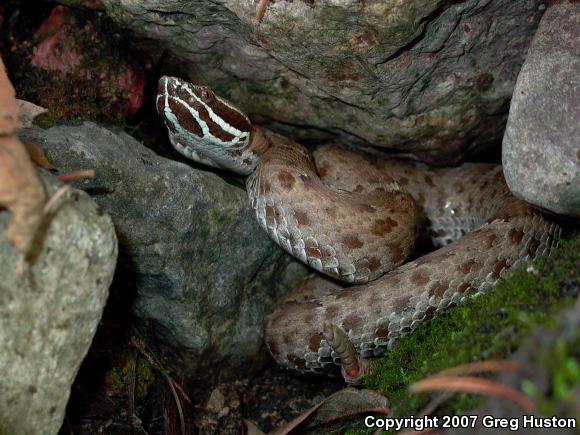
x=344, y=216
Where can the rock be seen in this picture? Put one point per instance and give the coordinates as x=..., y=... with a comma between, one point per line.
x=205, y=273
x=431, y=77
x=84, y=68
x=50, y=312
x=541, y=146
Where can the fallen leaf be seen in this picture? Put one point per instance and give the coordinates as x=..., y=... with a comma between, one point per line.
x=261, y=9
x=29, y=111
x=337, y=411
x=76, y=175
x=252, y=429
x=466, y=384
x=480, y=367
x=37, y=156
x=9, y=110
x=21, y=191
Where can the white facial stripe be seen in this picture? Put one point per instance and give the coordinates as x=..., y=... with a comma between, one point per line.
x=207, y=148
x=204, y=127
x=227, y=103
x=215, y=118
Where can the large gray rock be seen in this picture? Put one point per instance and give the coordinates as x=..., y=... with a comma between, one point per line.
x=541, y=146
x=50, y=312
x=205, y=273
x=431, y=77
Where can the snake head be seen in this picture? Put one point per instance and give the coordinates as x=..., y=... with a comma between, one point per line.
x=205, y=127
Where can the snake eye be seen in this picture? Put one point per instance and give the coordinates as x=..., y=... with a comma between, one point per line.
x=206, y=95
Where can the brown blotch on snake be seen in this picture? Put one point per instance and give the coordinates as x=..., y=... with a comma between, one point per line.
x=463, y=287
x=384, y=226
x=381, y=333
x=331, y=211
x=313, y=252
x=468, y=210
x=331, y=312
x=286, y=180
x=532, y=247
x=352, y=321
x=467, y=266
x=419, y=278
x=490, y=241
x=353, y=242
x=301, y=217
x=300, y=363
x=516, y=236
x=315, y=343
x=438, y=289
x=499, y=266
x=374, y=264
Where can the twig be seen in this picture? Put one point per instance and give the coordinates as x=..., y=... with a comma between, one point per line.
x=21, y=191
x=435, y=403
x=467, y=369
x=55, y=197
x=140, y=346
x=473, y=385
x=480, y=367
x=73, y=176
x=178, y=404
x=132, y=385
x=152, y=359
x=261, y=9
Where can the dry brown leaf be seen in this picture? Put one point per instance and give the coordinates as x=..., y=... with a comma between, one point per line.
x=9, y=111
x=37, y=156
x=261, y=9
x=21, y=191
x=252, y=429
x=480, y=367
x=76, y=175
x=336, y=411
x=466, y=384
x=28, y=111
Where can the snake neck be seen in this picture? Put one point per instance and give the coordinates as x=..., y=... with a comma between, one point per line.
x=260, y=142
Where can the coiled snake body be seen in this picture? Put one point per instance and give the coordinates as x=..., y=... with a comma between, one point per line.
x=345, y=217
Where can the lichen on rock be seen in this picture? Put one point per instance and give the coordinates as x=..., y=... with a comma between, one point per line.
x=49, y=312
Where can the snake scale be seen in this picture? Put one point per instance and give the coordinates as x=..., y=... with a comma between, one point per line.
x=357, y=220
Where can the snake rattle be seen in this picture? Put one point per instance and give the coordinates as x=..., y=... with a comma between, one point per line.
x=357, y=221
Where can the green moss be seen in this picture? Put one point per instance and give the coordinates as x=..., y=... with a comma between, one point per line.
x=489, y=327
x=48, y=120
x=219, y=217
x=562, y=363
x=118, y=379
